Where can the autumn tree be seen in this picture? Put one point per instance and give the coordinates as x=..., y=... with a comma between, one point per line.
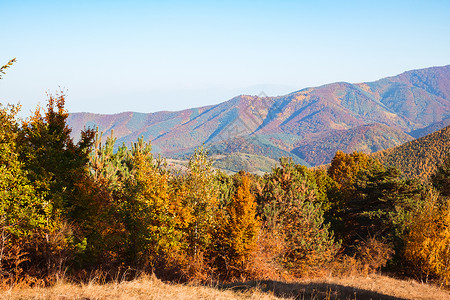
x=23, y=214
x=54, y=162
x=427, y=239
x=339, y=187
x=196, y=201
x=150, y=217
x=344, y=167
x=241, y=226
x=374, y=210
x=289, y=206
x=58, y=169
x=202, y=198
x=101, y=196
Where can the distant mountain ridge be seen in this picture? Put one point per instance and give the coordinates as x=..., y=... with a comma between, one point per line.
x=310, y=124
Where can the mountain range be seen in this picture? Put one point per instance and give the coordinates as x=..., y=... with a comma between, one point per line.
x=309, y=125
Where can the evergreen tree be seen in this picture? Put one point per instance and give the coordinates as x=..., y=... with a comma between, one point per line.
x=55, y=164
x=380, y=205
x=289, y=205
x=58, y=169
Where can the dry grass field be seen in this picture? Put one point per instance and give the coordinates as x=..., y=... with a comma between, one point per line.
x=148, y=287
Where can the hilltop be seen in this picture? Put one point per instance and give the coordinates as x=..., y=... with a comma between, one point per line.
x=420, y=157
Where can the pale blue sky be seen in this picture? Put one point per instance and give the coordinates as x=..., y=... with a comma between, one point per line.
x=146, y=56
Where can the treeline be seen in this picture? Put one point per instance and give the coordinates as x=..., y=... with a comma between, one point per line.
x=78, y=208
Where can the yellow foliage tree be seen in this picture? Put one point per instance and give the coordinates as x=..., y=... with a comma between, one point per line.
x=427, y=243
x=150, y=214
x=344, y=167
x=243, y=225
x=202, y=198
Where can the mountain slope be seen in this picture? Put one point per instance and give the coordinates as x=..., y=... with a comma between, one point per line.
x=313, y=118
x=367, y=138
x=420, y=157
x=430, y=129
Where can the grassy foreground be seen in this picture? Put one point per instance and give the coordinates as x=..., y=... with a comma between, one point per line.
x=147, y=287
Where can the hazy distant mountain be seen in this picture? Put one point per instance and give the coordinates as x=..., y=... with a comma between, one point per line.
x=430, y=129
x=310, y=124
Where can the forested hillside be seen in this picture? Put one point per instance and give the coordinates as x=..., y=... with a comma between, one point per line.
x=421, y=157
x=367, y=138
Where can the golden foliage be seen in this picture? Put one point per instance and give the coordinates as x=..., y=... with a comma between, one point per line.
x=427, y=243
x=5, y=67
x=243, y=225
x=344, y=167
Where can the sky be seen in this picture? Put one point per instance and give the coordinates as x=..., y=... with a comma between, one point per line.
x=146, y=56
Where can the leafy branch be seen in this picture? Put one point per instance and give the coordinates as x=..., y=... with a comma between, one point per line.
x=5, y=67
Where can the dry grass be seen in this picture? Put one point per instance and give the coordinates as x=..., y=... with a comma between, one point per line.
x=147, y=287
x=356, y=287
x=400, y=289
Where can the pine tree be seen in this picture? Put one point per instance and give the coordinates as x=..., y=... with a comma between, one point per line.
x=379, y=207
x=289, y=205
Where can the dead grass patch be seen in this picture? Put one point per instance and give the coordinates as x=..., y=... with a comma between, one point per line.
x=149, y=287
x=353, y=287
x=145, y=287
